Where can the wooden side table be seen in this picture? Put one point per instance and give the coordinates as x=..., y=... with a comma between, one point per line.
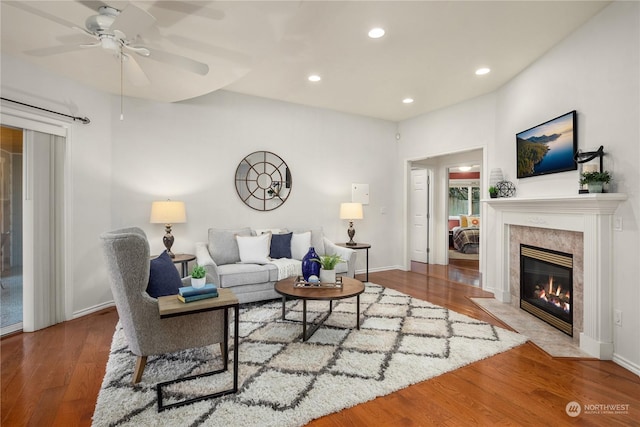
x=183, y=260
x=356, y=247
x=171, y=306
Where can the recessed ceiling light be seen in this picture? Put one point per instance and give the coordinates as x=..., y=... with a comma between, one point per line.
x=314, y=78
x=464, y=168
x=407, y=101
x=376, y=33
x=482, y=71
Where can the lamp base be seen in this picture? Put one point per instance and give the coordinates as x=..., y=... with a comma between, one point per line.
x=351, y=232
x=168, y=240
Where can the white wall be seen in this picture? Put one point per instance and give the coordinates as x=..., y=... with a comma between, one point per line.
x=89, y=205
x=190, y=150
x=596, y=72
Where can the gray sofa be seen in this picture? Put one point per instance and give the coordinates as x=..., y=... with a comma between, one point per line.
x=250, y=282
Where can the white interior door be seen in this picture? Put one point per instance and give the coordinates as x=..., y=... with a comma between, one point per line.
x=419, y=213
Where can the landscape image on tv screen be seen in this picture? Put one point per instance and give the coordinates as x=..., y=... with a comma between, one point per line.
x=548, y=148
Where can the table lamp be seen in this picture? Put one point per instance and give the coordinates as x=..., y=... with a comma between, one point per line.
x=351, y=211
x=168, y=212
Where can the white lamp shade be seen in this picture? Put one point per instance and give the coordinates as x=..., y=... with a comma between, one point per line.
x=351, y=211
x=168, y=212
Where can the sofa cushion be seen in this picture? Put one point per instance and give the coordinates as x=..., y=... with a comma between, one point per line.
x=317, y=240
x=164, y=278
x=246, y=274
x=223, y=246
x=254, y=249
x=280, y=246
x=300, y=243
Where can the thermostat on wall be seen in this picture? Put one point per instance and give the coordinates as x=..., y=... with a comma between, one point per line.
x=360, y=193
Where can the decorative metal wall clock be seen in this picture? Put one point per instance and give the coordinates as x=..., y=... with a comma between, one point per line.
x=263, y=181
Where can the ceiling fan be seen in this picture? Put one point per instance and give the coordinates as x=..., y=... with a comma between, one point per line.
x=117, y=32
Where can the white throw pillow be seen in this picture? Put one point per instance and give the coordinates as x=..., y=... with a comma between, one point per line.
x=300, y=243
x=254, y=249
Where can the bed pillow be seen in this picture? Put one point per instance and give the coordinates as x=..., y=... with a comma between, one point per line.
x=300, y=243
x=164, y=278
x=473, y=221
x=280, y=246
x=463, y=221
x=254, y=249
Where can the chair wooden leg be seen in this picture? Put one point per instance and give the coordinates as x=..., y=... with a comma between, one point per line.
x=141, y=361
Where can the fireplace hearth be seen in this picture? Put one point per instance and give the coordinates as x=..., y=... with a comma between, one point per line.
x=546, y=286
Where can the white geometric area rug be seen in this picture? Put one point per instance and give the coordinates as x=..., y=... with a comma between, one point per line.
x=286, y=382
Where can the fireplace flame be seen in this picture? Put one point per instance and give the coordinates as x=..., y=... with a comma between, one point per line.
x=554, y=296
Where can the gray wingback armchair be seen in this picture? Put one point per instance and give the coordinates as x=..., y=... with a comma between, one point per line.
x=127, y=254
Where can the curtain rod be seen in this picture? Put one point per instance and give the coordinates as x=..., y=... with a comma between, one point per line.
x=84, y=120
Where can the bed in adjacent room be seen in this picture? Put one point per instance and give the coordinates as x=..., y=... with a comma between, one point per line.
x=466, y=237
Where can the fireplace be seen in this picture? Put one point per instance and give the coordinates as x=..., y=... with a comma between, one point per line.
x=546, y=286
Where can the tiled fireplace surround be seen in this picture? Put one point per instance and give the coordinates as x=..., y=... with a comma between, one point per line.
x=581, y=225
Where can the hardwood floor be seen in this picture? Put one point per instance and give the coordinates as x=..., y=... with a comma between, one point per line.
x=52, y=377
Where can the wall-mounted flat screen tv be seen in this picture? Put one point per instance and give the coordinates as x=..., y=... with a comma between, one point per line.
x=548, y=148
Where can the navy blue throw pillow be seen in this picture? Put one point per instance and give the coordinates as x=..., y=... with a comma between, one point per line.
x=164, y=278
x=280, y=245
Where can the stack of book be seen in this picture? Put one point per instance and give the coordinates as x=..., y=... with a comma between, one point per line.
x=189, y=293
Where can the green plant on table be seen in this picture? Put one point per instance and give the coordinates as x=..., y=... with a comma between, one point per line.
x=328, y=262
x=198, y=272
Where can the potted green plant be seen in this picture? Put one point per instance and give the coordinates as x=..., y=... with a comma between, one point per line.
x=493, y=192
x=595, y=180
x=198, y=277
x=328, y=267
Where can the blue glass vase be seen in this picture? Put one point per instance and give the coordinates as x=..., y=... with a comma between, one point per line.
x=310, y=268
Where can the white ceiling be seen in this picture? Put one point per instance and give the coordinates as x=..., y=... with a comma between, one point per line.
x=429, y=53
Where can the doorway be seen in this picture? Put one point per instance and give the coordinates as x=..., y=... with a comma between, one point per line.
x=33, y=250
x=438, y=230
x=11, y=149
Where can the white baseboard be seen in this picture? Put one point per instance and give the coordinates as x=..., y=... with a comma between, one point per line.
x=93, y=309
x=627, y=364
x=373, y=270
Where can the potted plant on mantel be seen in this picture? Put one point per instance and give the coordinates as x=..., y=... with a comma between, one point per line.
x=493, y=192
x=595, y=180
x=198, y=277
x=328, y=267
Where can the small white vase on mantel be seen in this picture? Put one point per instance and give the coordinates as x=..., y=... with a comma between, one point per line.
x=327, y=276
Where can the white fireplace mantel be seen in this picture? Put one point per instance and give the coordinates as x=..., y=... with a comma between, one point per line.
x=591, y=214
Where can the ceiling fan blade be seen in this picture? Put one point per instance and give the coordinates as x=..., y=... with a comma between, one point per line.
x=24, y=6
x=185, y=8
x=53, y=50
x=142, y=51
x=180, y=61
x=85, y=32
x=133, y=21
x=134, y=72
x=229, y=54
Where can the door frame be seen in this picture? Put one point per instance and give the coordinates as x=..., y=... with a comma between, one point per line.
x=439, y=183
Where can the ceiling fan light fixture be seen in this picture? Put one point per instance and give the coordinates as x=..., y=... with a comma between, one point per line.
x=110, y=43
